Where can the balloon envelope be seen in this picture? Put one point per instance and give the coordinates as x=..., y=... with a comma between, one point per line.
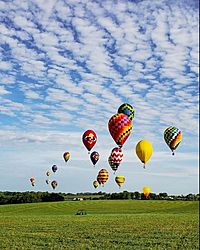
x=144, y=151
x=54, y=168
x=103, y=176
x=48, y=173
x=173, y=137
x=66, y=156
x=120, y=179
x=127, y=109
x=89, y=139
x=146, y=191
x=113, y=165
x=94, y=157
x=54, y=184
x=120, y=127
x=95, y=184
x=32, y=179
x=117, y=155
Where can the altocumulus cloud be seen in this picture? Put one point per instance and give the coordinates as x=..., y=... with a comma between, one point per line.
x=66, y=67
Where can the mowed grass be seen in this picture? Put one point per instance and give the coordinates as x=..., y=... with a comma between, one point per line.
x=127, y=224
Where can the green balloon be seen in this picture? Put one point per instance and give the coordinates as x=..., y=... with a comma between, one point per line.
x=127, y=109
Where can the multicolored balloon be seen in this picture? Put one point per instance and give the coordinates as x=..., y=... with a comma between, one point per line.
x=144, y=151
x=95, y=184
x=120, y=179
x=116, y=155
x=48, y=173
x=89, y=139
x=120, y=127
x=94, y=157
x=54, y=168
x=127, y=109
x=173, y=137
x=103, y=176
x=54, y=184
x=66, y=156
x=113, y=165
x=146, y=191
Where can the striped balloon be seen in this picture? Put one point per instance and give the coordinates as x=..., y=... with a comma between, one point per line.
x=120, y=127
x=113, y=165
x=127, y=109
x=117, y=155
x=172, y=137
x=120, y=179
x=103, y=176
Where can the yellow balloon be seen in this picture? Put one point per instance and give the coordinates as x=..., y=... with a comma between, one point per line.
x=146, y=191
x=95, y=184
x=144, y=151
x=120, y=179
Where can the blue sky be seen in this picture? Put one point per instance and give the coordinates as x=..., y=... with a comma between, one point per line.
x=66, y=66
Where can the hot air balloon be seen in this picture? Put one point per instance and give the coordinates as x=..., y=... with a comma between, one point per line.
x=32, y=180
x=103, y=176
x=116, y=155
x=127, y=109
x=89, y=139
x=146, y=191
x=66, y=156
x=173, y=137
x=120, y=127
x=95, y=184
x=113, y=165
x=144, y=151
x=94, y=157
x=47, y=181
x=54, y=168
x=120, y=179
x=54, y=184
x=48, y=173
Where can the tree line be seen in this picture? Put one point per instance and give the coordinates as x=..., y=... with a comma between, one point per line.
x=31, y=197
x=28, y=197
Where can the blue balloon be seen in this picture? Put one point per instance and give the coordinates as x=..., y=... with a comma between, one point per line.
x=94, y=157
x=54, y=168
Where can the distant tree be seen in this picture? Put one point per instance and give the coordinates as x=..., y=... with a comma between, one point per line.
x=153, y=196
x=163, y=195
x=126, y=195
x=137, y=195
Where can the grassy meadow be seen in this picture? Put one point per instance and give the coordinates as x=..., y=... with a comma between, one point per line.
x=122, y=224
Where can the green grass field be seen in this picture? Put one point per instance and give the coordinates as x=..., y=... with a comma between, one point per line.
x=127, y=224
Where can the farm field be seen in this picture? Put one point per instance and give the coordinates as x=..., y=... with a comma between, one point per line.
x=123, y=224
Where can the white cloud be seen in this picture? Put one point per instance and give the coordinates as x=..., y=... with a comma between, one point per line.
x=69, y=66
x=3, y=91
x=5, y=65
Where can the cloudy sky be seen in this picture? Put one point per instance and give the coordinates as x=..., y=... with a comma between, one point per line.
x=66, y=66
